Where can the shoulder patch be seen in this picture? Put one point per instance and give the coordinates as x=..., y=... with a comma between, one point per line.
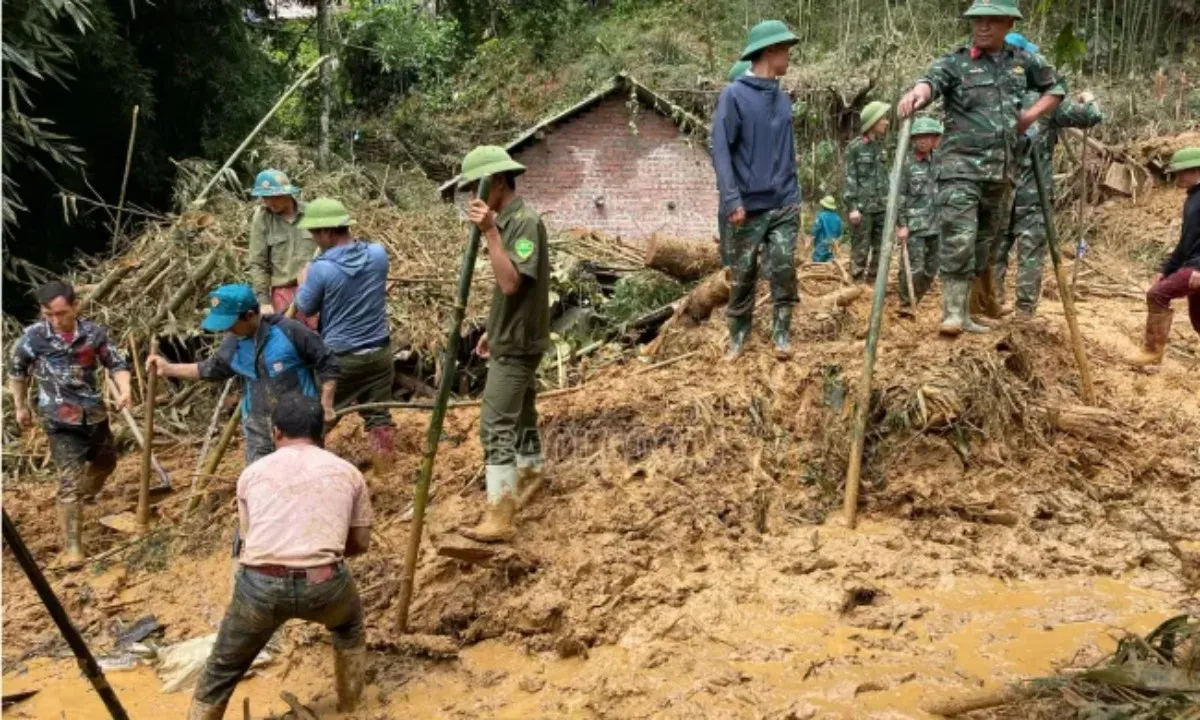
x=524, y=248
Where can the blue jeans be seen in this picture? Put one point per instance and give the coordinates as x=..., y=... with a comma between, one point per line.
x=260, y=605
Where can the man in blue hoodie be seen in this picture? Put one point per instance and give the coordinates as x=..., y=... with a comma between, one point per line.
x=347, y=284
x=755, y=161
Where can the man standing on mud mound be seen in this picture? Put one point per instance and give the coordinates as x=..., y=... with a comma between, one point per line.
x=865, y=191
x=347, y=285
x=917, y=224
x=981, y=86
x=302, y=511
x=65, y=353
x=518, y=333
x=272, y=354
x=279, y=248
x=755, y=160
x=1026, y=226
x=1180, y=274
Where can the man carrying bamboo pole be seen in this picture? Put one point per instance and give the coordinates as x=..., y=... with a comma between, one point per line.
x=981, y=85
x=347, y=284
x=754, y=157
x=64, y=352
x=518, y=334
x=916, y=225
x=273, y=355
x=279, y=247
x=865, y=191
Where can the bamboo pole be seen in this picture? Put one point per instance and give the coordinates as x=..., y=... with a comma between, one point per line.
x=143, y=508
x=137, y=435
x=189, y=288
x=87, y=662
x=912, y=293
x=1083, y=200
x=125, y=176
x=421, y=492
x=105, y=286
x=203, y=196
x=1064, y=291
x=854, y=470
x=210, y=466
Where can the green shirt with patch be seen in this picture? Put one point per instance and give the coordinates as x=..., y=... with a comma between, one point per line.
x=519, y=324
x=278, y=250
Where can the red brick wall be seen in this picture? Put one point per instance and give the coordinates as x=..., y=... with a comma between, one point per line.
x=595, y=154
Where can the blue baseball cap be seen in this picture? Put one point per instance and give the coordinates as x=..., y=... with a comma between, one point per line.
x=227, y=303
x=1016, y=38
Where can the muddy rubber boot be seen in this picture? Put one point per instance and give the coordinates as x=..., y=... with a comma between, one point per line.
x=970, y=324
x=349, y=666
x=982, y=308
x=1154, y=344
x=739, y=331
x=954, y=301
x=497, y=524
x=203, y=711
x=781, y=331
x=70, y=516
x=381, y=441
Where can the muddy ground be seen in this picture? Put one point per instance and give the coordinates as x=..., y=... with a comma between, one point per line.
x=689, y=560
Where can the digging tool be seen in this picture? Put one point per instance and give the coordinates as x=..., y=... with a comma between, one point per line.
x=87, y=663
x=1064, y=290
x=445, y=383
x=164, y=480
x=854, y=470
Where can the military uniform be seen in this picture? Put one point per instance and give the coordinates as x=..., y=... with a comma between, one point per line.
x=1027, y=227
x=919, y=215
x=866, y=190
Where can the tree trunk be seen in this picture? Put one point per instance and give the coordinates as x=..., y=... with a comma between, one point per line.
x=709, y=295
x=325, y=80
x=682, y=259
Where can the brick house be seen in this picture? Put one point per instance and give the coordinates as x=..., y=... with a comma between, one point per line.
x=625, y=162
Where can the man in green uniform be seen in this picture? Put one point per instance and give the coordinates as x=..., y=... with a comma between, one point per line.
x=917, y=226
x=1027, y=227
x=279, y=248
x=981, y=85
x=865, y=191
x=518, y=333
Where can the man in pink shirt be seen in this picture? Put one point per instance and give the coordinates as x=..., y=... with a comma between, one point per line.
x=302, y=510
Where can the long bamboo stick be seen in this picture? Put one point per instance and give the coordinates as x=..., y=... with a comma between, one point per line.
x=137, y=435
x=143, y=508
x=189, y=288
x=854, y=470
x=125, y=176
x=210, y=466
x=421, y=492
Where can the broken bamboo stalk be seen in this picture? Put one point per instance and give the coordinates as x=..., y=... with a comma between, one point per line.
x=189, y=288
x=105, y=286
x=210, y=465
x=143, y=507
x=976, y=701
x=125, y=175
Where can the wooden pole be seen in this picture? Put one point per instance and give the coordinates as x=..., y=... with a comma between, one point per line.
x=125, y=176
x=137, y=435
x=1064, y=290
x=214, y=460
x=1083, y=200
x=854, y=471
x=421, y=492
x=87, y=662
x=912, y=293
x=143, y=508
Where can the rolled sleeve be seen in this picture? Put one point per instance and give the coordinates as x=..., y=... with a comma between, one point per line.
x=220, y=365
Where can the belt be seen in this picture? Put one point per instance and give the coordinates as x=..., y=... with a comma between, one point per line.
x=314, y=575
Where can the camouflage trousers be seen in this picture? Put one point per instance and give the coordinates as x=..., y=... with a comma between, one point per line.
x=724, y=238
x=1027, y=231
x=971, y=216
x=772, y=235
x=865, y=240
x=84, y=455
x=922, y=262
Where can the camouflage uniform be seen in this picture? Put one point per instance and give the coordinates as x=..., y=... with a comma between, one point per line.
x=918, y=214
x=771, y=233
x=1027, y=228
x=866, y=190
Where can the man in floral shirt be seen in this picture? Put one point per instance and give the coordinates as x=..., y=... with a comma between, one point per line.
x=64, y=353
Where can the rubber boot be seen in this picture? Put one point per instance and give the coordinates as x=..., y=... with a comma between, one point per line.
x=1154, y=344
x=497, y=524
x=954, y=300
x=204, y=711
x=530, y=478
x=381, y=441
x=349, y=667
x=739, y=331
x=70, y=517
x=781, y=331
x=982, y=307
x=970, y=324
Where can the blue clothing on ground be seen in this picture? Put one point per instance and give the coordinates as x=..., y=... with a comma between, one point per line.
x=753, y=150
x=347, y=284
x=825, y=231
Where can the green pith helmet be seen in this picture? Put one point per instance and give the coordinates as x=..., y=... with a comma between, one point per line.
x=1185, y=159
x=484, y=161
x=926, y=126
x=994, y=8
x=768, y=33
x=872, y=113
x=829, y=203
x=324, y=213
x=740, y=68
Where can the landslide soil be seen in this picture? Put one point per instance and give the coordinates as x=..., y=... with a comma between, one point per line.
x=688, y=558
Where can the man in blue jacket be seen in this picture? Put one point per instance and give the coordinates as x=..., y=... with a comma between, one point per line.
x=347, y=285
x=755, y=162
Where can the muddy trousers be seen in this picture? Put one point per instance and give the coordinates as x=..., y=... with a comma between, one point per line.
x=922, y=262
x=84, y=455
x=771, y=236
x=508, y=419
x=865, y=241
x=1027, y=232
x=367, y=377
x=259, y=606
x=1176, y=286
x=971, y=215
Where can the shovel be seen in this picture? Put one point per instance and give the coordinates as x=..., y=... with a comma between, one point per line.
x=130, y=522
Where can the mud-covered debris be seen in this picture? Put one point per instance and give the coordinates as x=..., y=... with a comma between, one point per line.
x=434, y=647
x=859, y=596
